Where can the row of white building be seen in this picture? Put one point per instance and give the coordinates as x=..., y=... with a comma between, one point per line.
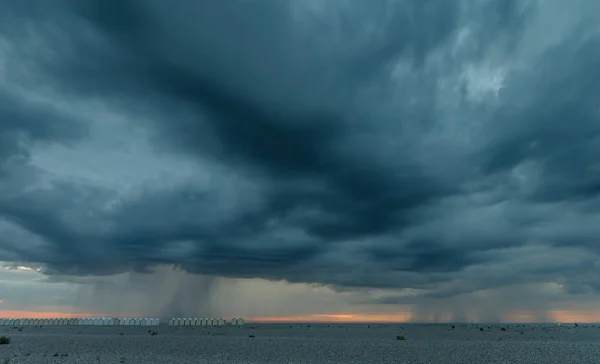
x=111, y=321
x=205, y=321
x=85, y=321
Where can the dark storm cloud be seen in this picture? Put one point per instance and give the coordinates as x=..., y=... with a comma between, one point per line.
x=370, y=172
x=22, y=124
x=570, y=170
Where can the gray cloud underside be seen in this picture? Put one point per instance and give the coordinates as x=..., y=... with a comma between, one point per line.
x=360, y=144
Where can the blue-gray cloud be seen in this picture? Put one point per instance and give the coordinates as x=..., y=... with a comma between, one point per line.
x=448, y=146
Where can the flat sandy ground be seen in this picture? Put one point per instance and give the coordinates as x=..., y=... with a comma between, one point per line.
x=283, y=344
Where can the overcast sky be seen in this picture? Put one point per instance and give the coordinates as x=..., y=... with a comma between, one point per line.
x=420, y=160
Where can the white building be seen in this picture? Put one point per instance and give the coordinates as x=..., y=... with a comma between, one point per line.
x=237, y=321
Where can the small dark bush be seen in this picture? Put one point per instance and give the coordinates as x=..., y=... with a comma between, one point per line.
x=251, y=336
x=503, y=329
x=399, y=337
x=4, y=340
x=481, y=329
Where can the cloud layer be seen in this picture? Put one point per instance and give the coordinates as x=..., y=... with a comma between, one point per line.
x=446, y=147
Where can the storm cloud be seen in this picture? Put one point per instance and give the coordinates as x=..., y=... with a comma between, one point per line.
x=446, y=147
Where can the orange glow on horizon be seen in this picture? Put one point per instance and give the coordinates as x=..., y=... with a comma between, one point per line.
x=326, y=318
x=591, y=316
x=562, y=316
x=520, y=317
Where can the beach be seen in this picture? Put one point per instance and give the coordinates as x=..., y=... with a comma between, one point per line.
x=305, y=343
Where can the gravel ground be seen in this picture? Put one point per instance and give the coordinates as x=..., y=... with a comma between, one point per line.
x=283, y=344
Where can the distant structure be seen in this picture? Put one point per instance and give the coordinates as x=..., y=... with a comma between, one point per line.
x=84, y=321
x=201, y=321
x=121, y=321
x=237, y=321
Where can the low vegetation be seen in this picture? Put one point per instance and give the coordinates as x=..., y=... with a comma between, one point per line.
x=400, y=337
x=4, y=340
